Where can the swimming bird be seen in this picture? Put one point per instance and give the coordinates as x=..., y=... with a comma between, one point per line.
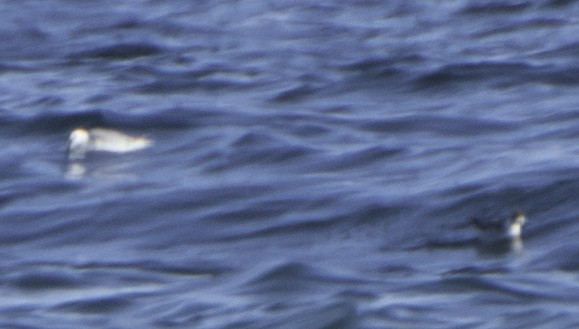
x=82, y=141
x=505, y=228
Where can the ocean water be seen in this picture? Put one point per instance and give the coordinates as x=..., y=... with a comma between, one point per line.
x=315, y=164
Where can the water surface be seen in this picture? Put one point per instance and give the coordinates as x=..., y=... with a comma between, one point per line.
x=315, y=164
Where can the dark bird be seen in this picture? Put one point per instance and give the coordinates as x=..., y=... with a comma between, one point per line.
x=502, y=228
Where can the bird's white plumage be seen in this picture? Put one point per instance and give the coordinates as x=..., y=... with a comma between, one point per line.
x=82, y=141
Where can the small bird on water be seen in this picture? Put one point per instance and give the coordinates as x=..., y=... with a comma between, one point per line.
x=81, y=141
x=505, y=228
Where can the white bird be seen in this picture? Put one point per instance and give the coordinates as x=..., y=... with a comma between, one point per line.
x=82, y=141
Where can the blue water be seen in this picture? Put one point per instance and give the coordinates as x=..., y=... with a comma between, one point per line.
x=315, y=164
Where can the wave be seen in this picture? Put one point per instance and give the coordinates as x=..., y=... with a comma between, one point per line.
x=122, y=51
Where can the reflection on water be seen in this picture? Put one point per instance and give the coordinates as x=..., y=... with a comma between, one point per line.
x=75, y=170
x=501, y=247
